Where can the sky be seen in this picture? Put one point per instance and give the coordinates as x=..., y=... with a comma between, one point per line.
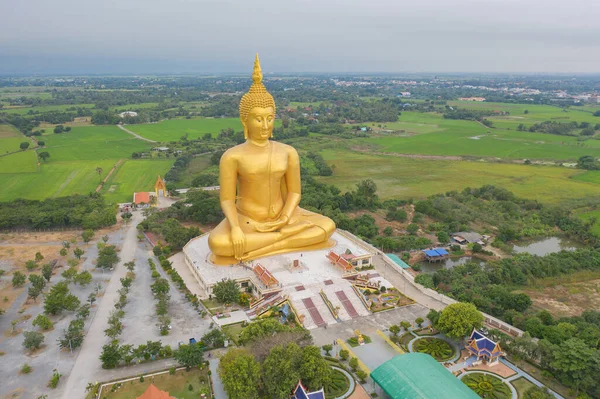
x=334, y=36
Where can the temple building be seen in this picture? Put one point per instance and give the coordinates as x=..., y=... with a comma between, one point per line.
x=484, y=348
x=300, y=392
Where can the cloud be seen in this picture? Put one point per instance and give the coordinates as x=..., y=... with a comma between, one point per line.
x=301, y=36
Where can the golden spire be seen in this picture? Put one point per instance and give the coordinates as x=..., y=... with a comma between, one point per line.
x=257, y=73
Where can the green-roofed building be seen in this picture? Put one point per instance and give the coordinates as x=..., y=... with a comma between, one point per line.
x=419, y=376
x=398, y=261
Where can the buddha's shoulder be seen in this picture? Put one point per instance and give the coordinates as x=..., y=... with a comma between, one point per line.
x=284, y=147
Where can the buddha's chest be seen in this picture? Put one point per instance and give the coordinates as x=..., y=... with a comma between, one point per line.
x=261, y=167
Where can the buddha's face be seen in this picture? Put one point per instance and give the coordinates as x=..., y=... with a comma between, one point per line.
x=259, y=123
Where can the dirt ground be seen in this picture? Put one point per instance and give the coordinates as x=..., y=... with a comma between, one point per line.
x=569, y=299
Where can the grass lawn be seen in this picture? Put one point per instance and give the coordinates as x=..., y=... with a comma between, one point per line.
x=53, y=180
x=588, y=215
x=176, y=385
x=20, y=162
x=469, y=138
x=232, y=331
x=403, y=178
x=93, y=143
x=173, y=129
x=521, y=385
x=588, y=176
x=132, y=176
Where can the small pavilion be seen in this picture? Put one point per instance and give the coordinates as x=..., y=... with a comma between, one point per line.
x=160, y=188
x=484, y=348
x=300, y=392
x=154, y=393
x=435, y=254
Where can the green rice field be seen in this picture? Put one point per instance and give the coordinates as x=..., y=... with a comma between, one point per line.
x=400, y=177
x=435, y=135
x=132, y=176
x=19, y=162
x=93, y=143
x=174, y=129
x=588, y=176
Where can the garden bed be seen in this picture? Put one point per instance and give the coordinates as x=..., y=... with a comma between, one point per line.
x=522, y=384
x=439, y=349
x=338, y=386
x=353, y=342
x=487, y=386
x=426, y=331
x=384, y=300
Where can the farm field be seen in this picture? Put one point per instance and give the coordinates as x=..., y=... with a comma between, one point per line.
x=134, y=175
x=7, y=131
x=196, y=165
x=468, y=138
x=92, y=143
x=588, y=176
x=53, y=180
x=401, y=177
x=20, y=162
x=173, y=129
x=592, y=214
x=11, y=144
x=45, y=108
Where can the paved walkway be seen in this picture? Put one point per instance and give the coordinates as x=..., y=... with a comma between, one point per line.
x=217, y=383
x=135, y=134
x=88, y=365
x=352, y=383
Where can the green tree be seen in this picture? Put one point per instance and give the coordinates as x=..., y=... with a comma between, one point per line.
x=78, y=252
x=260, y=329
x=405, y=324
x=344, y=354
x=43, y=322
x=44, y=155
x=69, y=274
x=33, y=340
x=226, y=291
x=59, y=298
x=395, y=329
x=83, y=278
x=366, y=190
x=37, y=285
x=111, y=355
x=419, y=321
x=571, y=359
x=388, y=231
x=130, y=266
x=24, y=145
x=433, y=316
x=241, y=374
x=189, y=355
x=30, y=265
x=412, y=229
x=39, y=257
x=18, y=279
x=459, y=319
x=107, y=257
x=47, y=271
x=443, y=237
x=280, y=370
x=160, y=286
x=327, y=348
x=314, y=370
x=63, y=252
x=87, y=235
x=353, y=363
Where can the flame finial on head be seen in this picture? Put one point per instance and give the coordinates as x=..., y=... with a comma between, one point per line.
x=257, y=95
x=257, y=73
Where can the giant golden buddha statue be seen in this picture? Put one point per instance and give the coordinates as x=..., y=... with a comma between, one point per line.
x=260, y=191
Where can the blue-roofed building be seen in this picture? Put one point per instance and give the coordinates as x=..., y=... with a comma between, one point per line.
x=435, y=254
x=484, y=348
x=300, y=392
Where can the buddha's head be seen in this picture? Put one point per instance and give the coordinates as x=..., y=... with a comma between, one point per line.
x=257, y=108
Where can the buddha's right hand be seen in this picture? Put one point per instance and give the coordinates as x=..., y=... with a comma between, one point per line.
x=238, y=239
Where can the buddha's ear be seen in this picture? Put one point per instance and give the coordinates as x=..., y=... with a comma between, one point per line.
x=245, y=130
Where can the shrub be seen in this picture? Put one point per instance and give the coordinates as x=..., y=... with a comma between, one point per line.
x=353, y=363
x=26, y=369
x=172, y=370
x=54, y=379
x=33, y=339
x=43, y=322
x=141, y=378
x=362, y=376
x=344, y=354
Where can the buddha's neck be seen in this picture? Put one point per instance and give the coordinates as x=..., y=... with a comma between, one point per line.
x=259, y=143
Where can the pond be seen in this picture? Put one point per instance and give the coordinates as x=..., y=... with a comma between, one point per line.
x=427, y=267
x=547, y=246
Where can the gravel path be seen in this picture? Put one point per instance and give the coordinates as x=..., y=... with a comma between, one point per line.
x=135, y=134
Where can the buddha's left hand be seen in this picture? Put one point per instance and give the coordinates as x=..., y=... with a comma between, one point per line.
x=272, y=226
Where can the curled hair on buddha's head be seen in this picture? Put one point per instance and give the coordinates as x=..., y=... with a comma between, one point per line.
x=257, y=96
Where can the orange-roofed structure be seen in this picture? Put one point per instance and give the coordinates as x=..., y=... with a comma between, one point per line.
x=160, y=188
x=139, y=198
x=154, y=393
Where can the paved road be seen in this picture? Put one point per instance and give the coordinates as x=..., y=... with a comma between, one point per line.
x=406, y=287
x=135, y=134
x=218, y=384
x=88, y=363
